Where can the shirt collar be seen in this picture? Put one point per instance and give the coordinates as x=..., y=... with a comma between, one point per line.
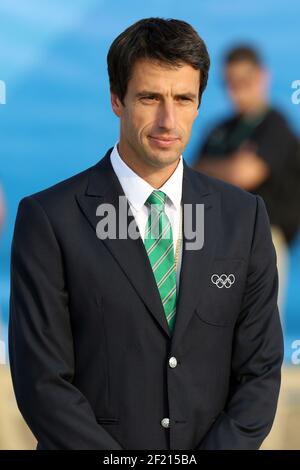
x=137, y=190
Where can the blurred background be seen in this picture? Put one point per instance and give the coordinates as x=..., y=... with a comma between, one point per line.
x=56, y=120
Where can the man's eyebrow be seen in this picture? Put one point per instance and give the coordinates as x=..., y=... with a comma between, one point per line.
x=146, y=92
x=159, y=95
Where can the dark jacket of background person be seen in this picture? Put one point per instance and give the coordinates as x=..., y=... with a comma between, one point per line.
x=270, y=137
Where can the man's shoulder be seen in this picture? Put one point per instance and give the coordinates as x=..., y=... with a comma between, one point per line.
x=276, y=116
x=65, y=186
x=238, y=210
x=60, y=194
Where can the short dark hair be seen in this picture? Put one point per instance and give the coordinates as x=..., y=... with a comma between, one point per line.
x=169, y=41
x=241, y=53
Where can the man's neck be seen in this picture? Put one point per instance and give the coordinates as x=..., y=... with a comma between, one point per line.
x=154, y=176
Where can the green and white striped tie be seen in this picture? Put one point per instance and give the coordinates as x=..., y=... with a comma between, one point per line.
x=159, y=245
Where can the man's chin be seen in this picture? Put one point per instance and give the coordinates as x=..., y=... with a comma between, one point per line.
x=163, y=159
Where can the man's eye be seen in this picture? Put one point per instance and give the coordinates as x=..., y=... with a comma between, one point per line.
x=150, y=97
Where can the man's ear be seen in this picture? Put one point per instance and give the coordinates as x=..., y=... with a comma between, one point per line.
x=115, y=104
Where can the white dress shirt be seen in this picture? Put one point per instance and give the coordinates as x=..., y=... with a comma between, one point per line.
x=137, y=191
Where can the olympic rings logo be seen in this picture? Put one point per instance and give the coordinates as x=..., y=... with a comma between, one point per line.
x=223, y=280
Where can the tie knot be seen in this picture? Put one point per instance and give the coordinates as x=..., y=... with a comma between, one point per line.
x=158, y=198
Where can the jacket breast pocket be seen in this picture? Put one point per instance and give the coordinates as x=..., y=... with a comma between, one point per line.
x=104, y=420
x=225, y=284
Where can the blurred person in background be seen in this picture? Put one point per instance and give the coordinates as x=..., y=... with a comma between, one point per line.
x=256, y=150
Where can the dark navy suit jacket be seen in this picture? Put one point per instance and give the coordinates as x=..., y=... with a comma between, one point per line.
x=89, y=342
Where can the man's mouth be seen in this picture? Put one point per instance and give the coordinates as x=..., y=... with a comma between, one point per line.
x=163, y=141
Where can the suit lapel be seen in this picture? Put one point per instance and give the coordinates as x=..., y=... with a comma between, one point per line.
x=105, y=188
x=195, y=263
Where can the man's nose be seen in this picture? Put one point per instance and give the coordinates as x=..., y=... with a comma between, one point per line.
x=166, y=118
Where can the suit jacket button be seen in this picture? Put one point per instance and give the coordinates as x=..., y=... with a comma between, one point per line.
x=165, y=422
x=172, y=362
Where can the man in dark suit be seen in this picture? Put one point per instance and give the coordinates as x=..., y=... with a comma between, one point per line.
x=139, y=342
